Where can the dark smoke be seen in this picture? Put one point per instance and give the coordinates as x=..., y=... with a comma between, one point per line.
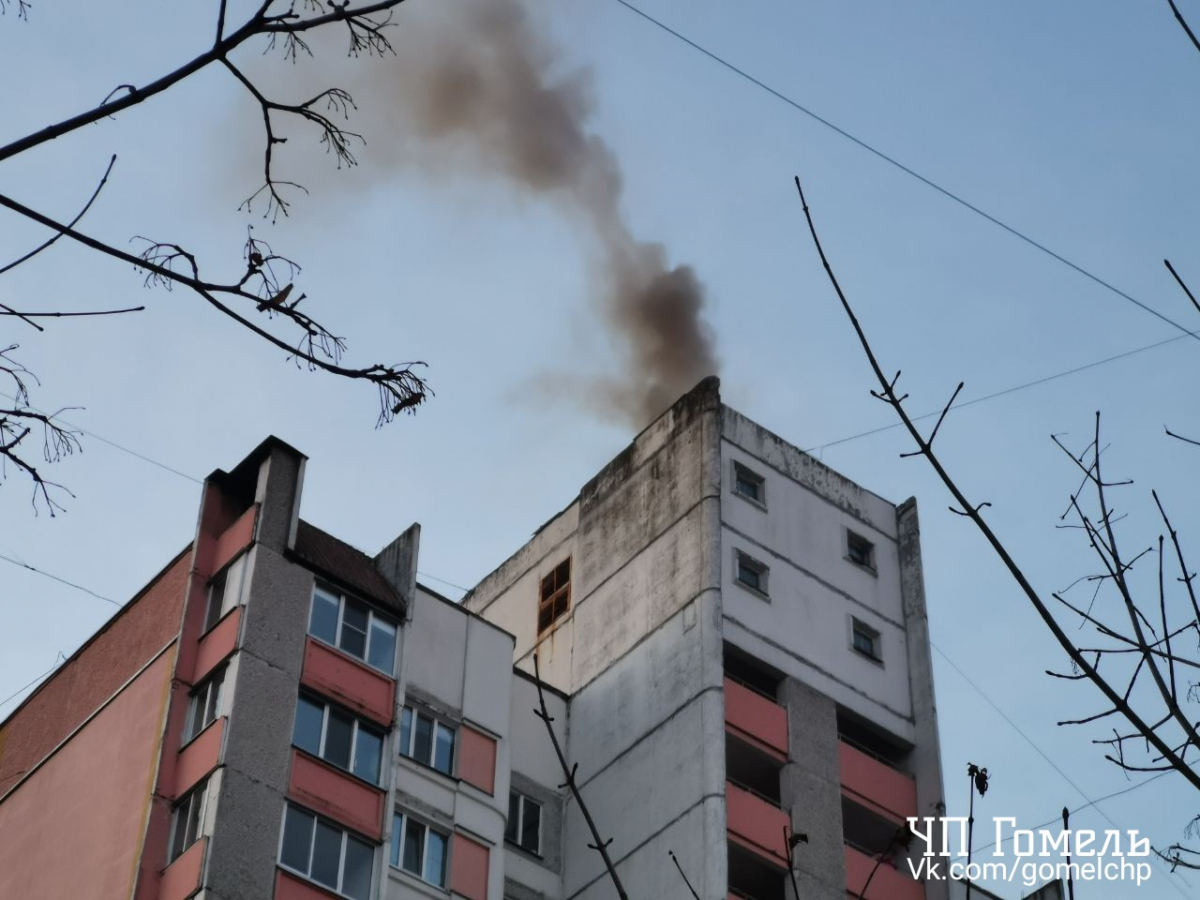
x=474, y=90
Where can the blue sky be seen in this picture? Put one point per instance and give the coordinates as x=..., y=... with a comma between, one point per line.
x=1071, y=122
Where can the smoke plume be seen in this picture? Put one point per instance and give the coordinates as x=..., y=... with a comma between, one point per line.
x=474, y=90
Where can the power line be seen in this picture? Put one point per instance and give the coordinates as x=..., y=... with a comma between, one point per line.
x=32, y=683
x=946, y=192
x=1006, y=391
x=1065, y=777
x=71, y=584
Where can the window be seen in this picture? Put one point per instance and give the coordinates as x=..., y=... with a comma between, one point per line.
x=426, y=740
x=865, y=640
x=749, y=484
x=860, y=551
x=205, y=705
x=186, y=821
x=555, y=596
x=324, y=853
x=751, y=573
x=524, y=826
x=225, y=591
x=338, y=738
x=419, y=849
x=354, y=628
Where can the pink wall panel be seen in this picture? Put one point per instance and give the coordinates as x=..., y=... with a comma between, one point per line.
x=182, y=878
x=877, y=785
x=754, y=717
x=234, y=539
x=756, y=824
x=477, y=759
x=888, y=883
x=350, y=682
x=335, y=794
x=74, y=828
x=469, y=868
x=217, y=644
x=289, y=887
x=198, y=758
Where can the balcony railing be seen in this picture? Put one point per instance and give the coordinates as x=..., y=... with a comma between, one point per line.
x=875, y=784
x=886, y=881
x=756, y=823
x=756, y=719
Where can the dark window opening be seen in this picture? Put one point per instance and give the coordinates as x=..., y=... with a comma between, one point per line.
x=555, y=597
x=749, y=484
x=859, y=550
x=866, y=640
x=747, y=671
x=751, y=573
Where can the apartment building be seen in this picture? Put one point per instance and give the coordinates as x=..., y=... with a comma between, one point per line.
x=733, y=648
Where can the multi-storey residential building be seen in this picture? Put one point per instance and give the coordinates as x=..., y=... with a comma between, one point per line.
x=733, y=645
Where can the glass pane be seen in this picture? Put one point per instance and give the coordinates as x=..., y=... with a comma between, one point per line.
x=297, y=839
x=216, y=594
x=235, y=575
x=514, y=812
x=195, y=716
x=405, y=731
x=531, y=824
x=213, y=706
x=547, y=586
x=323, y=623
x=327, y=855
x=414, y=845
x=354, y=629
x=562, y=574
x=356, y=873
x=423, y=740
x=382, y=653
x=367, y=753
x=443, y=757
x=338, y=735
x=307, y=733
x=397, y=827
x=194, y=805
x=179, y=838
x=435, y=859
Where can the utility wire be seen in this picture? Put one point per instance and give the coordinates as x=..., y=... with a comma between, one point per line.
x=32, y=683
x=1008, y=390
x=53, y=577
x=946, y=192
x=1065, y=777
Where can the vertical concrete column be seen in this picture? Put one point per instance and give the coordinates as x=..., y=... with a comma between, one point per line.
x=397, y=562
x=280, y=480
x=925, y=762
x=811, y=788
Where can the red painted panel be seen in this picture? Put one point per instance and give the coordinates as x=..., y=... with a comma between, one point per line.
x=292, y=887
x=336, y=794
x=756, y=824
x=477, y=759
x=469, y=868
x=888, y=882
x=757, y=719
x=182, y=877
x=217, y=644
x=234, y=539
x=350, y=682
x=889, y=792
x=198, y=758
x=74, y=827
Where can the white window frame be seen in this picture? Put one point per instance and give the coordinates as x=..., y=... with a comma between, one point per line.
x=524, y=800
x=741, y=557
x=312, y=845
x=229, y=599
x=858, y=625
x=405, y=817
x=349, y=770
x=407, y=752
x=748, y=474
x=181, y=811
x=342, y=597
x=199, y=698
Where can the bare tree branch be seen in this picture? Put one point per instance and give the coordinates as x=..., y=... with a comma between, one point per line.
x=1184, y=25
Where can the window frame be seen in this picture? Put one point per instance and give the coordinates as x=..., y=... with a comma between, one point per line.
x=559, y=591
x=873, y=635
x=853, y=544
x=523, y=801
x=397, y=844
x=438, y=722
x=346, y=836
x=357, y=723
x=761, y=569
x=197, y=795
x=742, y=472
x=190, y=732
x=372, y=617
x=241, y=563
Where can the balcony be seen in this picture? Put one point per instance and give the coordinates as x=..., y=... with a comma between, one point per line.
x=875, y=784
x=887, y=883
x=756, y=824
x=756, y=719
